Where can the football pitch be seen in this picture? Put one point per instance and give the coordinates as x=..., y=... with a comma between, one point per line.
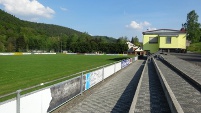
x=19, y=72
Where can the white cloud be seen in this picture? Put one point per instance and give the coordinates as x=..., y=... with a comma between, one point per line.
x=63, y=9
x=134, y=25
x=31, y=9
x=140, y=25
x=145, y=23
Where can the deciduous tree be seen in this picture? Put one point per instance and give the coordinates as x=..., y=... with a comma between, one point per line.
x=192, y=27
x=135, y=41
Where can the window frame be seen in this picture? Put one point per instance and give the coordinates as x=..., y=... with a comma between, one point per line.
x=168, y=40
x=153, y=40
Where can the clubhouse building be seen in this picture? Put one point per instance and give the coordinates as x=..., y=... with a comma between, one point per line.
x=166, y=40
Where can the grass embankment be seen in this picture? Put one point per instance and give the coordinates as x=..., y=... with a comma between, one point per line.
x=19, y=72
x=195, y=47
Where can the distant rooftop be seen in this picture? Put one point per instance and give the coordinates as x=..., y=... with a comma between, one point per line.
x=164, y=32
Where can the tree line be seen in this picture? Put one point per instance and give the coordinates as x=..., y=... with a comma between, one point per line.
x=192, y=27
x=22, y=36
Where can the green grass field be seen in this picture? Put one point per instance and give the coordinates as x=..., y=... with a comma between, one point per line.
x=19, y=72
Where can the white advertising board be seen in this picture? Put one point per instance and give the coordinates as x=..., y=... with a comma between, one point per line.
x=93, y=78
x=96, y=77
x=109, y=70
x=9, y=107
x=117, y=66
x=6, y=53
x=34, y=103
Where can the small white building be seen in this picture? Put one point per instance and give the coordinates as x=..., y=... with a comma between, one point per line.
x=132, y=49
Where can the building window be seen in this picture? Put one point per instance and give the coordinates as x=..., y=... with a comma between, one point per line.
x=168, y=40
x=153, y=40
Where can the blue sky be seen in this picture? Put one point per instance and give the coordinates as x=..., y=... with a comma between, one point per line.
x=113, y=18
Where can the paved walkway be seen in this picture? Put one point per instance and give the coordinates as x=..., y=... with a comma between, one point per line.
x=115, y=95
x=194, y=58
x=192, y=70
x=188, y=97
x=151, y=98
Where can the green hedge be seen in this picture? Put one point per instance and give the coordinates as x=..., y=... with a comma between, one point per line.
x=195, y=47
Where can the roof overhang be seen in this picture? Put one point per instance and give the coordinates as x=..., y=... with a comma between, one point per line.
x=164, y=32
x=172, y=35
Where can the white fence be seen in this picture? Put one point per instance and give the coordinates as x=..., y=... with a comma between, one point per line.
x=46, y=53
x=50, y=98
x=20, y=53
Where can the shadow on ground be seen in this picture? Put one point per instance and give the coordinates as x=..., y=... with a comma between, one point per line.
x=125, y=101
x=158, y=102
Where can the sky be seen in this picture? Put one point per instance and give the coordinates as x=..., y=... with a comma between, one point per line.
x=113, y=18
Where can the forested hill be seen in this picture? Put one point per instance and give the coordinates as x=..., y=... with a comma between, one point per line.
x=12, y=25
x=22, y=36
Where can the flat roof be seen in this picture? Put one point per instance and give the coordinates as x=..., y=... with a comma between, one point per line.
x=164, y=32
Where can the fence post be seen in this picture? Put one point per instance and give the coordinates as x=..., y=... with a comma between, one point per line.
x=115, y=68
x=103, y=74
x=18, y=101
x=81, y=83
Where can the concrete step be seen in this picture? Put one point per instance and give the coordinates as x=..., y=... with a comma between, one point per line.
x=151, y=98
x=189, y=70
x=184, y=95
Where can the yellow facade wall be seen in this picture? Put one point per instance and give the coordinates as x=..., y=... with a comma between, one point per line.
x=173, y=44
x=153, y=47
x=176, y=42
x=182, y=41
